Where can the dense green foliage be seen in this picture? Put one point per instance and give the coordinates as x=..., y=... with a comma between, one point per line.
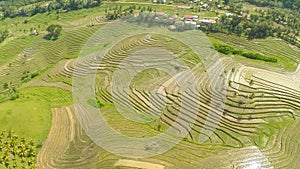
x=17, y=4
x=53, y=31
x=256, y=27
x=258, y=56
x=292, y=4
x=225, y=49
x=3, y=35
x=16, y=152
x=118, y=11
x=146, y=16
x=11, y=8
x=277, y=22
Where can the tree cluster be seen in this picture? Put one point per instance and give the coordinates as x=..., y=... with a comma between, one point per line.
x=118, y=12
x=152, y=19
x=53, y=32
x=16, y=152
x=12, y=8
x=3, y=35
x=256, y=27
x=261, y=25
x=291, y=4
x=225, y=49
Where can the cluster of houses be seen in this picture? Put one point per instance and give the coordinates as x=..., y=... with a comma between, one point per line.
x=196, y=22
x=187, y=22
x=201, y=4
x=192, y=20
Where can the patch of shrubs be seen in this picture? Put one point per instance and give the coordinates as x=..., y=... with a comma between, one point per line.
x=258, y=56
x=226, y=49
x=3, y=35
x=95, y=103
x=14, y=94
x=27, y=77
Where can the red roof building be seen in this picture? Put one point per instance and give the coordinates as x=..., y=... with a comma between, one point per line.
x=188, y=16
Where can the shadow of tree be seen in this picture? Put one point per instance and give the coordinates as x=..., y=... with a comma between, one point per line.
x=50, y=37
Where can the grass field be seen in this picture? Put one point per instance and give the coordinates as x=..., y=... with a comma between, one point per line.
x=30, y=115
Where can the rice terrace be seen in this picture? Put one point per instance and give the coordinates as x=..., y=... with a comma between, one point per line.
x=150, y=84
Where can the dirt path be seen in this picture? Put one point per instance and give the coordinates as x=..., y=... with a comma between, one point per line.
x=138, y=164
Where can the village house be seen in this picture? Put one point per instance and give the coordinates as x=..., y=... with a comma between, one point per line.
x=207, y=21
x=190, y=19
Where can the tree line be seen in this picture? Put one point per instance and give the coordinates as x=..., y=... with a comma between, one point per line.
x=226, y=49
x=291, y=4
x=263, y=24
x=12, y=8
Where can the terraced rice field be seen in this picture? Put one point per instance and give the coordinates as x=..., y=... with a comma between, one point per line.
x=67, y=146
x=37, y=55
x=256, y=128
x=170, y=102
x=287, y=55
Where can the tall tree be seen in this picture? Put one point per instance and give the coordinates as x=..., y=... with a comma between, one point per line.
x=54, y=31
x=226, y=2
